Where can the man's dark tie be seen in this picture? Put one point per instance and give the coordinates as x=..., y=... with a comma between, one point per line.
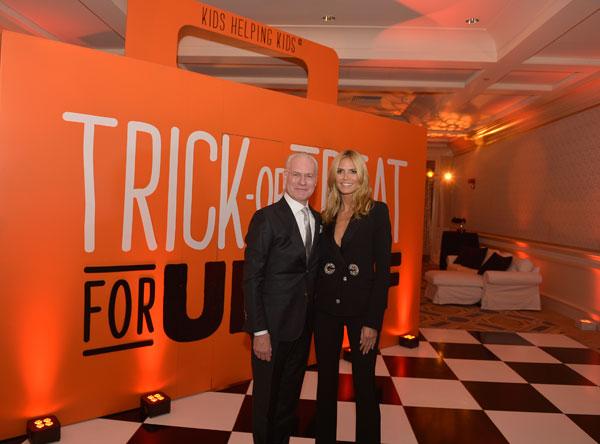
x=307, y=232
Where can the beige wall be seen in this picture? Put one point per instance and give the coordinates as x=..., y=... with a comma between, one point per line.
x=540, y=192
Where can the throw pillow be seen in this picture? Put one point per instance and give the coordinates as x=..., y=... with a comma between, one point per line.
x=524, y=265
x=496, y=263
x=471, y=257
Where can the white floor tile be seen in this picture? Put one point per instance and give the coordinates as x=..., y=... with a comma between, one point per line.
x=576, y=399
x=240, y=438
x=521, y=353
x=423, y=392
x=551, y=340
x=346, y=421
x=309, y=386
x=98, y=431
x=380, y=367
x=480, y=370
x=209, y=410
x=591, y=372
x=298, y=440
x=395, y=427
x=345, y=367
x=424, y=350
x=531, y=428
x=448, y=335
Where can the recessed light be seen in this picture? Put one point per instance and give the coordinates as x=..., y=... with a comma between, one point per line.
x=328, y=18
x=472, y=21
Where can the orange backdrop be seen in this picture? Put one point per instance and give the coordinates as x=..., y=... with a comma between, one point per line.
x=119, y=176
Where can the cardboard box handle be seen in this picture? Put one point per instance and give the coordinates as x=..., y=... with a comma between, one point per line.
x=154, y=28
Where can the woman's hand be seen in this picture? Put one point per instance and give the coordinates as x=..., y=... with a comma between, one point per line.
x=368, y=337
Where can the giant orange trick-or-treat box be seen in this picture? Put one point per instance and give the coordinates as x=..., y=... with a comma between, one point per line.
x=126, y=188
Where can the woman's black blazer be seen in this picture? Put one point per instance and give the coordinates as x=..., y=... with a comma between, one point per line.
x=354, y=278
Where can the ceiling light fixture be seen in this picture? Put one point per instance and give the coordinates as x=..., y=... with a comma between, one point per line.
x=472, y=21
x=328, y=18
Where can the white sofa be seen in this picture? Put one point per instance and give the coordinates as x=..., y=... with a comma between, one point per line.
x=514, y=289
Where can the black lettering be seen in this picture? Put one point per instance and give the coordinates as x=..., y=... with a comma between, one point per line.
x=88, y=308
x=214, y=20
x=243, y=24
x=293, y=44
x=178, y=326
x=144, y=308
x=269, y=36
x=111, y=308
x=222, y=21
x=233, y=25
x=204, y=12
x=278, y=37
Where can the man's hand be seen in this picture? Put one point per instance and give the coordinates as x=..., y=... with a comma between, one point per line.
x=261, y=345
x=368, y=336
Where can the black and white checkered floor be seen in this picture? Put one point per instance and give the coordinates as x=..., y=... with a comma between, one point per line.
x=456, y=387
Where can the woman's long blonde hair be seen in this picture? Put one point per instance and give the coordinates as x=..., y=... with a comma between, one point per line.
x=361, y=199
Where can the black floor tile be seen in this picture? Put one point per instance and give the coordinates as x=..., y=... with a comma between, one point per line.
x=159, y=434
x=541, y=373
x=463, y=351
x=306, y=419
x=410, y=367
x=386, y=391
x=443, y=426
x=589, y=423
x=237, y=388
x=574, y=355
x=509, y=396
x=133, y=415
x=15, y=440
x=500, y=337
x=243, y=422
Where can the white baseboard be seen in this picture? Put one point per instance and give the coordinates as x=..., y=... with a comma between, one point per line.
x=566, y=309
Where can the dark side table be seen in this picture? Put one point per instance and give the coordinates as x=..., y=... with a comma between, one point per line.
x=452, y=241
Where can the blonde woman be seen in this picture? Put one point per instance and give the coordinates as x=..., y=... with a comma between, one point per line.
x=352, y=288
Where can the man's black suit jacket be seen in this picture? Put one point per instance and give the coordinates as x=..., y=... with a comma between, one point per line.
x=354, y=278
x=279, y=282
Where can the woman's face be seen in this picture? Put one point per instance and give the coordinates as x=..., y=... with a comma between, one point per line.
x=346, y=177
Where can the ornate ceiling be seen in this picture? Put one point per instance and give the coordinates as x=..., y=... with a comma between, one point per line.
x=523, y=64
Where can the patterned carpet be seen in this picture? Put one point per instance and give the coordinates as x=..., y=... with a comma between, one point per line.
x=471, y=317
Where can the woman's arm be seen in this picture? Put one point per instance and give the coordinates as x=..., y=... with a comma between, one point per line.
x=382, y=251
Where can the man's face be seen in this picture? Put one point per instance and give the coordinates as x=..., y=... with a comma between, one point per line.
x=301, y=179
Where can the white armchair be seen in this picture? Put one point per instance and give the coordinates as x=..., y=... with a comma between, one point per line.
x=511, y=290
x=514, y=289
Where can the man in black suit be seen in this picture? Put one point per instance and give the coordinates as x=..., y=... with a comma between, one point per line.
x=280, y=269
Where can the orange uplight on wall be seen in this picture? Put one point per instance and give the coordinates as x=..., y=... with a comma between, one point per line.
x=430, y=174
x=409, y=341
x=156, y=403
x=586, y=324
x=43, y=429
x=448, y=177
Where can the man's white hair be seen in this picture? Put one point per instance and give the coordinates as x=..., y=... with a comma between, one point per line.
x=293, y=156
